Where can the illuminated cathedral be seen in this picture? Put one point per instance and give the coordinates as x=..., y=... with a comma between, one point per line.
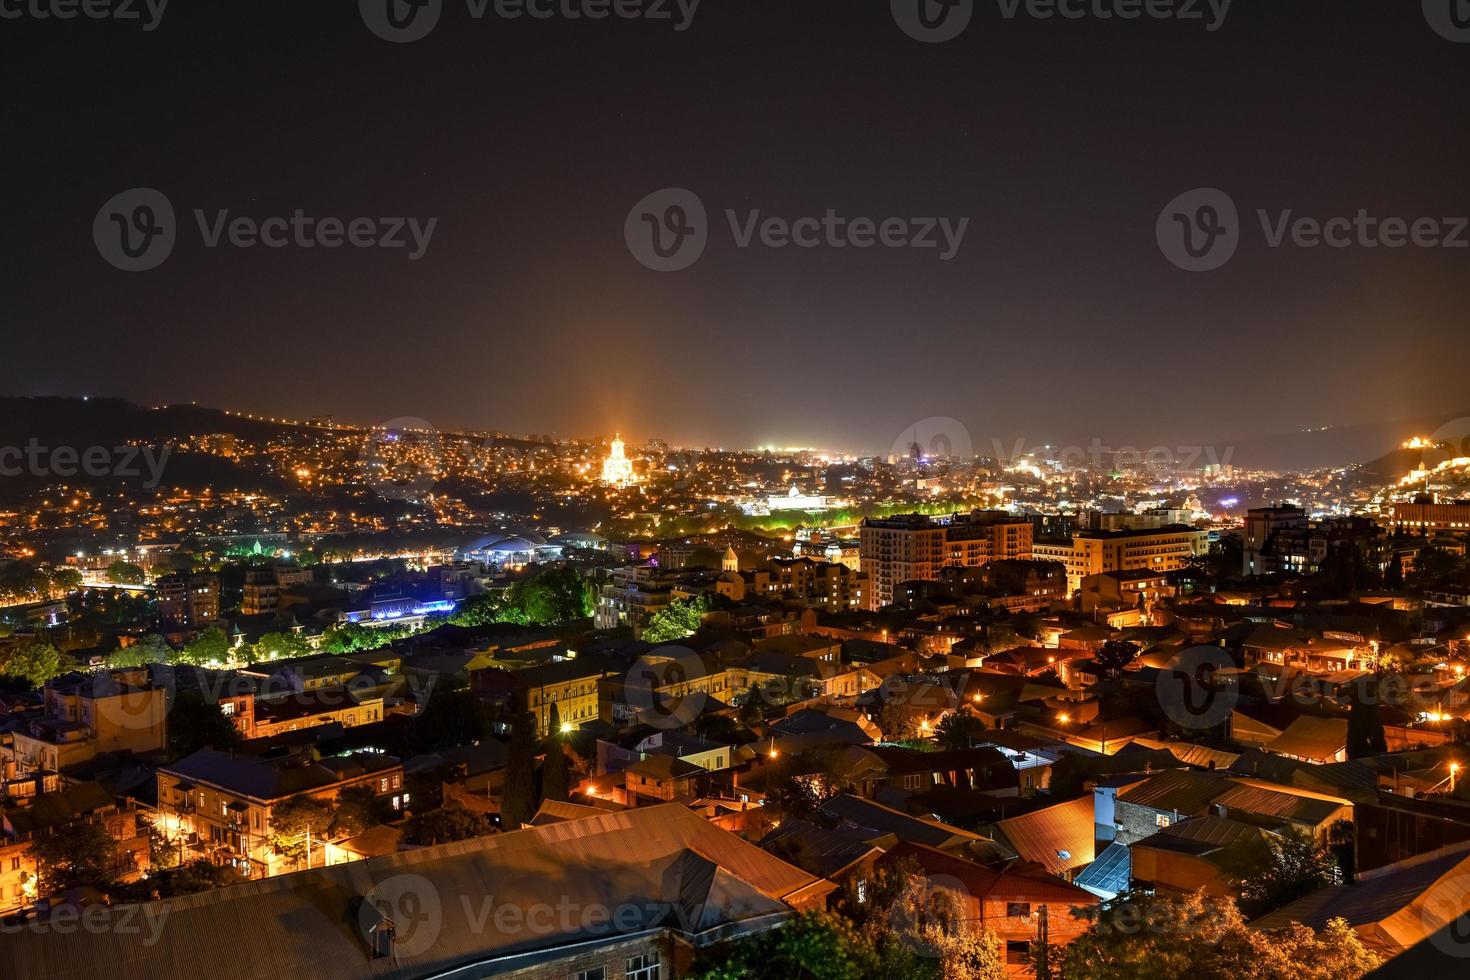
x=617, y=468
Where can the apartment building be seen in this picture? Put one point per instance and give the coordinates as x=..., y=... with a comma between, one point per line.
x=86, y=715
x=1094, y=552
x=37, y=805
x=914, y=547
x=188, y=599
x=218, y=805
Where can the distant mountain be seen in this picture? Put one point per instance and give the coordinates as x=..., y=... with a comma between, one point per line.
x=1378, y=442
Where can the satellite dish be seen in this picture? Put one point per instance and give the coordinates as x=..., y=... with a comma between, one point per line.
x=1065, y=855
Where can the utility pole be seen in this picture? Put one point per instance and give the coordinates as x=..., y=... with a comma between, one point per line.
x=1042, y=958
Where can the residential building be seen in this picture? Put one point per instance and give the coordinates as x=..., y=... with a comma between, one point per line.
x=37, y=806
x=218, y=805
x=86, y=715
x=913, y=547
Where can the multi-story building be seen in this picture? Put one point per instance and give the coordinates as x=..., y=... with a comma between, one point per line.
x=188, y=599
x=218, y=805
x=1426, y=517
x=1282, y=540
x=37, y=805
x=828, y=586
x=87, y=715
x=913, y=547
x=1093, y=552
x=636, y=593
x=568, y=685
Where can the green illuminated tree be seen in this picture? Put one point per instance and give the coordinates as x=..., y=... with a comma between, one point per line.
x=35, y=662
x=676, y=621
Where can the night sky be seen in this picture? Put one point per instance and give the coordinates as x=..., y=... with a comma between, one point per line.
x=1059, y=318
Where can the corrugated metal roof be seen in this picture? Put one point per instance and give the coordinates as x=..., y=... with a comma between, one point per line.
x=307, y=924
x=1061, y=837
x=1183, y=791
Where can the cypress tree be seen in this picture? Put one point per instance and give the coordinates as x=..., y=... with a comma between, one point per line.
x=555, y=780
x=518, y=801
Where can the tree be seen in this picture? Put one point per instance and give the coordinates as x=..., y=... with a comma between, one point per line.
x=297, y=821
x=450, y=718
x=1274, y=870
x=358, y=808
x=196, y=723
x=281, y=646
x=201, y=875
x=480, y=610
x=150, y=649
x=1115, y=655
x=447, y=826
x=555, y=778
x=1365, y=728
x=798, y=786
x=676, y=621
x=210, y=647
x=1394, y=577
x=958, y=730
x=1155, y=937
x=967, y=954
x=74, y=855
x=518, y=799
x=125, y=573
x=813, y=946
x=35, y=662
